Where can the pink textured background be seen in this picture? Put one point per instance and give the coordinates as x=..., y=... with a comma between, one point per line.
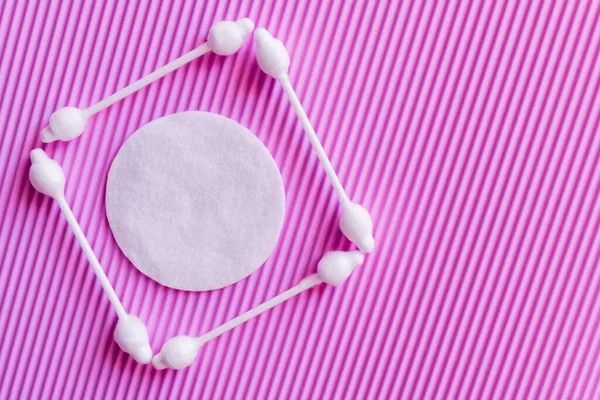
x=470, y=129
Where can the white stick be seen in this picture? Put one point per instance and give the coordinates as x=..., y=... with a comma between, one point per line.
x=224, y=38
x=148, y=79
x=47, y=177
x=181, y=351
x=314, y=139
x=93, y=260
x=334, y=268
x=307, y=283
x=355, y=223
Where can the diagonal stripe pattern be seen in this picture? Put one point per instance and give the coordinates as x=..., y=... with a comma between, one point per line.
x=469, y=129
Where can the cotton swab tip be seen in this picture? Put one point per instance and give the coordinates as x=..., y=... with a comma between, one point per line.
x=356, y=224
x=262, y=36
x=46, y=175
x=271, y=54
x=227, y=37
x=132, y=337
x=142, y=354
x=246, y=25
x=177, y=353
x=47, y=136
x=366, y=243
x=66, y=124
x=38, y=155
x=336, y=266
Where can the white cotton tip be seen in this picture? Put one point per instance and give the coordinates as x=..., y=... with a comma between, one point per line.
x=227, y=37
x=46, y=175
x=132, y=337
x=177, y=353
x=336, y=266
x=271, y=54
x=65, y=124
x=356, y=224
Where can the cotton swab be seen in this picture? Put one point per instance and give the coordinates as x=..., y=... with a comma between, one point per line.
x=334, y=268
x=47, y=177
x=355, y=223
x=224, y=38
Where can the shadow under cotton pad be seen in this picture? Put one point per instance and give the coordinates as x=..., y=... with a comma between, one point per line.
x=195, y=201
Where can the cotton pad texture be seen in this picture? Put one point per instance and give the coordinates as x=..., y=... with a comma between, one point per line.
x=195, y=201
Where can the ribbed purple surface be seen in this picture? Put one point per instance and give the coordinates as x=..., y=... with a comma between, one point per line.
x=470, y=129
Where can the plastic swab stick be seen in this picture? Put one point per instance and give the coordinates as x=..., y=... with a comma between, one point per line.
x=224, y=38
x=334, y=268
x=148, y=79
x=47, y=177
x=355, y=223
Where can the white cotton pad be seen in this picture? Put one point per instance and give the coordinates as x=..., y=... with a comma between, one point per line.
x=195, y=201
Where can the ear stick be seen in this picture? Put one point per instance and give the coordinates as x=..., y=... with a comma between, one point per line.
x=355, y=223
x=47, y=177
x=224, y=38
x=334, y=268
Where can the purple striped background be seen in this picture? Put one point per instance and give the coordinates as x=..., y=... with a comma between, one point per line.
x=470, y=129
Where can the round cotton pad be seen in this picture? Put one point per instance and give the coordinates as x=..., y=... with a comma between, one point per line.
x=195, y=201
